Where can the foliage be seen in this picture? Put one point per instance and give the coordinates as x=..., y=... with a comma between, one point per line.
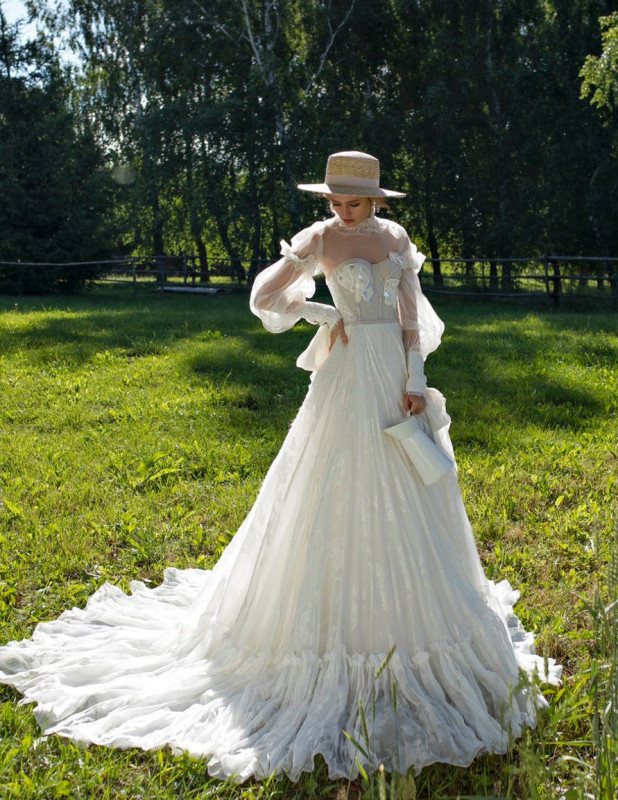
x=54, y=195
x=600, y=73
x=136, y=434
x=210, y=113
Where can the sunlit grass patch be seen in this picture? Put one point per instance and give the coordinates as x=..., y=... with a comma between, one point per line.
x=135, y=435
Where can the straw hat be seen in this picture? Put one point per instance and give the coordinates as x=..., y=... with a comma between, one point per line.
x=351, y=173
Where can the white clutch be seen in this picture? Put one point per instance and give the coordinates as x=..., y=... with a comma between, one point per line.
x=415, y=436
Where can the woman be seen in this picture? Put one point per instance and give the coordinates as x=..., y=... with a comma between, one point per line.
x=349, y=616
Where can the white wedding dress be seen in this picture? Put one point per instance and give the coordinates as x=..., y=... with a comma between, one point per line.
x=274, y=655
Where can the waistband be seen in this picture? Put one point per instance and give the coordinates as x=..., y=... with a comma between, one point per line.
x=346, y=323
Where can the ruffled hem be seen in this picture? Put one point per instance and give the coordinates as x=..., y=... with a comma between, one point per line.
x=100, y=678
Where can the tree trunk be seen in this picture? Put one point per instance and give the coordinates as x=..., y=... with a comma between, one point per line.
x=612, y=276
x=256, y=234
x=557, y=284
x=263, y=52
x=237, y=269
x=194, y=222
x=149, y=173
x=290, y=183
x=203, y=257
x=276, y=235
x=466, y=253
x=157, y=222
x=436, y=263
x=431, y=231
x=507, y=276
x=493, y=274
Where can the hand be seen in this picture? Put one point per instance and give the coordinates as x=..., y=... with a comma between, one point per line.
x=338, y=331
x=414, y=403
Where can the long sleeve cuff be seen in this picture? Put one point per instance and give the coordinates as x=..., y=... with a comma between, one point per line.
x=416, y=383
x=319, y=314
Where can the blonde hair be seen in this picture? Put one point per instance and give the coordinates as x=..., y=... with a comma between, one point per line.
x=377, y=203
x=380, y=202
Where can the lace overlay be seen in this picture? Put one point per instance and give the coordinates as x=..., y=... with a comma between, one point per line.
x=369, y=224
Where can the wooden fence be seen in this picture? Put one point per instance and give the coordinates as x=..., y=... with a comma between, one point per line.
x=553, y=277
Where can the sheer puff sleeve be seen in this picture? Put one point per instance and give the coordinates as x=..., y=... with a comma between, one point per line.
x=421, y=327
x=280, y=293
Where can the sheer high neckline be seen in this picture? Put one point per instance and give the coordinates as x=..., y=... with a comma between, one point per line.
x=370, y=223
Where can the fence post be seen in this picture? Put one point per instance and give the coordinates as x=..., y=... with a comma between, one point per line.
x=493, y=274
x=546, y=274
x=507, y=276
x=160, y=270
x=134, y=278
x=612, y=276
x=557, y=280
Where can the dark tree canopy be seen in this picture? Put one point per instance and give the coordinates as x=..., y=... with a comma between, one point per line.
x=206, y=115
x=54, y=189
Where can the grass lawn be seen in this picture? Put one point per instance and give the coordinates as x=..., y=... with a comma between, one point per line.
x=135, y=434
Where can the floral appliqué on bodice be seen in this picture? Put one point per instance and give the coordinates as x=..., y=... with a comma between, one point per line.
x=360, y=279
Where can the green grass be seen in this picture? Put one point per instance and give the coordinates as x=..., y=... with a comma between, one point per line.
x=135, y=434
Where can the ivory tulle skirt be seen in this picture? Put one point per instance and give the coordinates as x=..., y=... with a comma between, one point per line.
x=271, y=657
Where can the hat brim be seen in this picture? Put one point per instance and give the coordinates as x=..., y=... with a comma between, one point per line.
x=348, y=191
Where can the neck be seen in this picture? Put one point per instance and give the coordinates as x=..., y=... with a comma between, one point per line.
x=368, y=223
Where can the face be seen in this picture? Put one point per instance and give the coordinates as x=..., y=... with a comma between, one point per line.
x=350, y=210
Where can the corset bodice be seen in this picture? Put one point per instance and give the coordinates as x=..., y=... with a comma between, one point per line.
x=366, y=292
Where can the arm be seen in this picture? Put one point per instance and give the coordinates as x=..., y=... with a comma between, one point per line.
x=420, y=325
x=280, y=293
x=416, y=384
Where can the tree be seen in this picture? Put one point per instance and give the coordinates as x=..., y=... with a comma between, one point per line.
x=600, y=84
x=217, y=110
x=54, y=191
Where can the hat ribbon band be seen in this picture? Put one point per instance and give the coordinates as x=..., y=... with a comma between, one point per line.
x=352, y=180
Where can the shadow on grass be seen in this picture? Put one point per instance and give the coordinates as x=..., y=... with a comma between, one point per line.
x=485, y=378
x=496, y=362
x=74, y=330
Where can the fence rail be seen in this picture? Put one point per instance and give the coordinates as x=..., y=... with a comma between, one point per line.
x=555, y=277
x=552, y=276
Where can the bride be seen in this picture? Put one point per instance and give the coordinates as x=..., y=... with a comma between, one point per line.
x=349, y=616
